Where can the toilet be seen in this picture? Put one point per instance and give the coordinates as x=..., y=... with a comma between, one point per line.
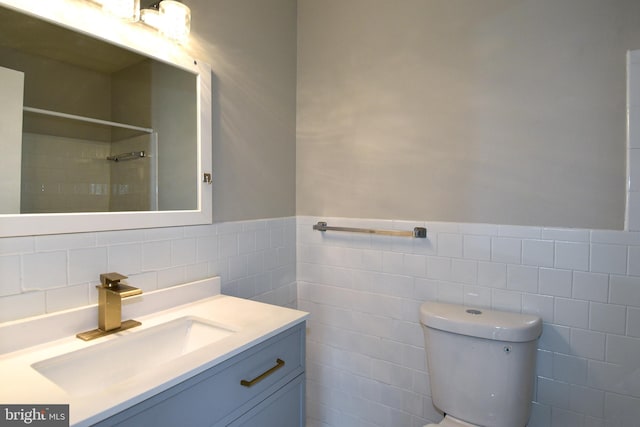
x=481, y=364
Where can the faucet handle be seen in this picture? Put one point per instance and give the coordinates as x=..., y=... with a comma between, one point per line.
x=110, y=279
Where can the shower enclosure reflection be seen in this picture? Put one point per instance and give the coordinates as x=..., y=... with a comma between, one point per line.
x=86, y=174
x=99, y=128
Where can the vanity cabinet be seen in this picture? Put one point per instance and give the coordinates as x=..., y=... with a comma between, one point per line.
x=262, y=386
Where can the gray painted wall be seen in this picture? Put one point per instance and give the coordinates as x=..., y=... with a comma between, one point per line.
x=251, y=47
x=500, y=111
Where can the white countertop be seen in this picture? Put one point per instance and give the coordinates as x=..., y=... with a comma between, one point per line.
x=253, y=321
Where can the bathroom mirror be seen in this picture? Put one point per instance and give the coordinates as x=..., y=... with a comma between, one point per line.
x=104, y=125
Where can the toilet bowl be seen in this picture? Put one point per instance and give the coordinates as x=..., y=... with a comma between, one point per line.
x=481, y=364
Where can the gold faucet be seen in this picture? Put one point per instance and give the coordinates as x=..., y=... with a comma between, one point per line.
x=110, y=294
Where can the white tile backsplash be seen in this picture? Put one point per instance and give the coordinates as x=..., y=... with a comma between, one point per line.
x=438, y=268
x=45, y=274
x=85, y=265
x=566, y=234
x=22, y=305
x=540, y=415
x=609, y=258
x=519, y=231
x=590, y=286
x=471, y=229
x=634, y=261
x=566, y=418
x=622, y=350
x=247, y=242
x=170, y=277
x=452, y=293
x=633, y=322
x=17, y=245
x=588, y=344
x=569, y=369
x=228, y=244
x=555, y=338
x=450, y=245
x=621, y=410
x=10, y=275
x=624, y=290
x=585, y=284
x=65, y=241
x=108, y=238
x=540, y=305
x=363, y=294
x=183, y=251
x=553, y=393
x=544, y=363
x=538, y=252
x=572, y=255
x=425, y=289
x=168, y=233
x=522, y=278
x=607, y=318
x=415, y=265
x=44, y=270
x=464, y=271
x=477, y=247
x=156, y=255
x=67, y=297
x=476, y=296
x=238, y=267
x=585, y=400
x=492, y=274
x=615, y=237
x=570, y=312
x=505, y=249
x=506, y=300
x=393, y=262
x=126, y=258
x=555, y=282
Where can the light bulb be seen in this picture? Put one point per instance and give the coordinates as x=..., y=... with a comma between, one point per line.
x=125, y=9
x=175, y=20
x=151, y=17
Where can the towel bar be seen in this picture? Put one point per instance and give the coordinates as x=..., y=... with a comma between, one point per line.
x=419, y=232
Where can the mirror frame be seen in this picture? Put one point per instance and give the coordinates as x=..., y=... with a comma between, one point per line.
x=86, y=17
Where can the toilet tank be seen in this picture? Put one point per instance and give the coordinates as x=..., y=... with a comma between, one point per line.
x=481, y=362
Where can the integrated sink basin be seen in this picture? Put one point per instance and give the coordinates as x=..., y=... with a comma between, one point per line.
x=121, y=358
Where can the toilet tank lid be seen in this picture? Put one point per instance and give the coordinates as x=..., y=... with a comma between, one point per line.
x=481, y=323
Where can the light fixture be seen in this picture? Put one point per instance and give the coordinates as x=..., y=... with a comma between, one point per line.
x=171, y=18
x=175, y=20
x=124, y=9
x=151, y=17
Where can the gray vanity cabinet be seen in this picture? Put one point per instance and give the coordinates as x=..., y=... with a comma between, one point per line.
x=263, y=386
x=284, y=408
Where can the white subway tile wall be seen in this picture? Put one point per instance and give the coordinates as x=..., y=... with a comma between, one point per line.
x=44, y=274
x=366, y=361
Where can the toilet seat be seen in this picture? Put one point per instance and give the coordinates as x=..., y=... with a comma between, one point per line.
x=450, y=421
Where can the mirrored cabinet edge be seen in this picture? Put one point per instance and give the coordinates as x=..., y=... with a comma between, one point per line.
x=134, y=38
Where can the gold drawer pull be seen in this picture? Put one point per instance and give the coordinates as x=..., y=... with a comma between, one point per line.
x=265, y=374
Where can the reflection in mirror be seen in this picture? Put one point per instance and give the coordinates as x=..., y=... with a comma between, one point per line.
x=87, y=126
